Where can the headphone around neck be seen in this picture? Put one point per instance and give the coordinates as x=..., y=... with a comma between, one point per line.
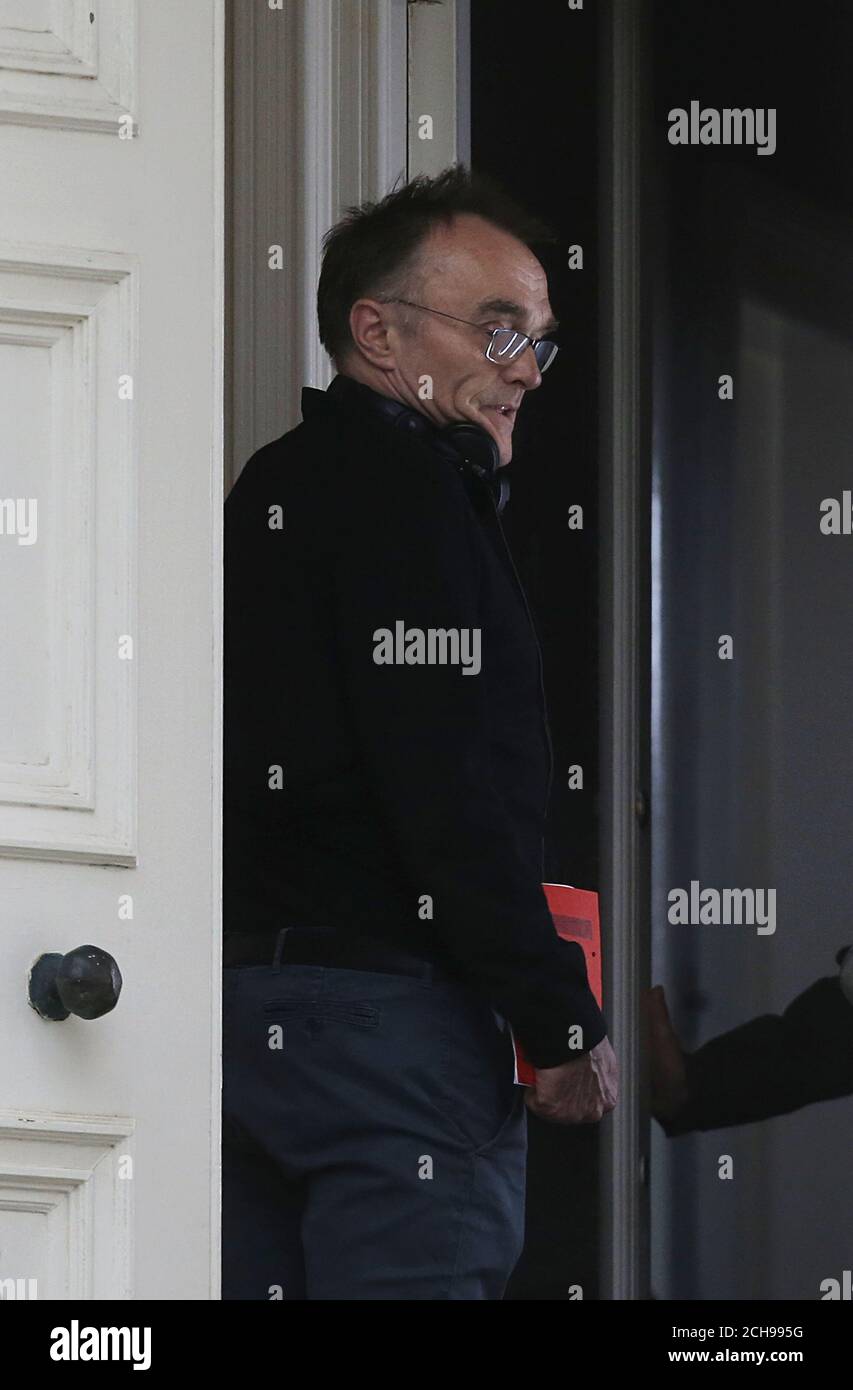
x=471, y=449
x=481, y=456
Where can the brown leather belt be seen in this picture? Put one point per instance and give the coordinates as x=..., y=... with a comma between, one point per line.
x=279, y=946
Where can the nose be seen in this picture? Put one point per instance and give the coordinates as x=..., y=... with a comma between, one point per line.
x=525, y=370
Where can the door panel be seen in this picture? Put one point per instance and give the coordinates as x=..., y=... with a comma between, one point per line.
x=111, y=154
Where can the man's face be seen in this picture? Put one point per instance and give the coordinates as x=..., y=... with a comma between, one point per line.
x=474, y=271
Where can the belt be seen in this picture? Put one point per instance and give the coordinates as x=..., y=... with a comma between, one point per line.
x=278, y=946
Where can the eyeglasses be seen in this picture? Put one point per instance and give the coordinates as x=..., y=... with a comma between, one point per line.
x=505, y=344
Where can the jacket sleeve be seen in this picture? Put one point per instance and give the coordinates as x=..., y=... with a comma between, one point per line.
x=771, y=1065
x=404, y=550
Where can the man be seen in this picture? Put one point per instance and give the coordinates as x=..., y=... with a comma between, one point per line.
x=387, y=766
x=768, y=1066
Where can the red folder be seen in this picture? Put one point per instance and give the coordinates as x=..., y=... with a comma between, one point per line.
x=575, y=914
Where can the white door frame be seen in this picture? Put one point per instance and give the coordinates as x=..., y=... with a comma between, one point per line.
x=217, y=558
x=439, y=84
x=317, y=124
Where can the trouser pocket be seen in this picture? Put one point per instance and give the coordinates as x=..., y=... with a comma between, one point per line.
x=475, y=1090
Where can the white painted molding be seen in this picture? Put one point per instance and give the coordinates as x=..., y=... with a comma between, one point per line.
x=76, y=800
x=63, y=1170
x=325, y=47
x=78, y=74
x=437, y=47
x=318, y=123
x=217, y=486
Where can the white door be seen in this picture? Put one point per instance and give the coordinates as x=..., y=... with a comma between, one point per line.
x=111, y=154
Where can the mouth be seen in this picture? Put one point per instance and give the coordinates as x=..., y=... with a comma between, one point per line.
x=504, y=410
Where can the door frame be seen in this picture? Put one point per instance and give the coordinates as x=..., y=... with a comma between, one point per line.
x=316, y=124
x=625, y=634
x=318, y=121
x=439, y=84
x=217, y=561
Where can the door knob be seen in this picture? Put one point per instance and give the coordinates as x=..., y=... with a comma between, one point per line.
x=85, y=982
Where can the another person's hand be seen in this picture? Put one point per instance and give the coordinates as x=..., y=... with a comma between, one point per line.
x=577, y=1092
x=668, y=1074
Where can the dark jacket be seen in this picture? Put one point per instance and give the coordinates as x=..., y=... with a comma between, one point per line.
x=413, y=796
x=773, y=1064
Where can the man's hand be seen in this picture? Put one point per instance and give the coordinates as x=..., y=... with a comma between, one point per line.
x=578, y=1092
x=667, y=1071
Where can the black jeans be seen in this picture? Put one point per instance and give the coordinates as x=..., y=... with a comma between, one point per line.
x=374, y=1142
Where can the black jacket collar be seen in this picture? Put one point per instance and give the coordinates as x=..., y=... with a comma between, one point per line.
x=355, y=400
x=346, y=394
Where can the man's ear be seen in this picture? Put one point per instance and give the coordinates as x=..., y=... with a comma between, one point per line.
x=372, y=334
